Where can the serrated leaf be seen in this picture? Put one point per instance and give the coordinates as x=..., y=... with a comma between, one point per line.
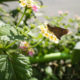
x=7, y=30
x=14, y=67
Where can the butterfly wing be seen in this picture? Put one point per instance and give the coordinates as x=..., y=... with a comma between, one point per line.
x=59, y=32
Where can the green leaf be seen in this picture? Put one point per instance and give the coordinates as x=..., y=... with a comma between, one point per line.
x=76, y=56
x=71, y=20
x=77, y=46
x=7, y=30
x=48, y=70
x=14, y=67
x=33, y=78
x=5, y=68
x=6, y=17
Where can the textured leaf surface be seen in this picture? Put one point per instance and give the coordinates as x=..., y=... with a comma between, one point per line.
x=7, y=30
x=15, y=67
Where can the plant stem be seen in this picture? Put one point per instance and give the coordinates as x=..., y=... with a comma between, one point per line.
x=11, y=44
x=50, y=57
x=37, y=43
x=21, y=18
x=7, y=0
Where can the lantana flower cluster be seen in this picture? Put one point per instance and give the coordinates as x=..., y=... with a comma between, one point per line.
x=51, y=36
x=61, y=12
x=30, y=4
x=77, y=17
x=24, y=46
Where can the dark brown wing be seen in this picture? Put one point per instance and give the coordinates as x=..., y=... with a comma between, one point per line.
x=59, y=32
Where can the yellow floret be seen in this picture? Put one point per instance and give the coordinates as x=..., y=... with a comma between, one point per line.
x=43, y=31
x=56, y=40
x=51, y=37
x=46, y=34
x=41, y=27
x=27, y=44
x=23, y=3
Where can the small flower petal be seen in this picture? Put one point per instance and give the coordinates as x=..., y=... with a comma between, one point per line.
x=24, y=45
x=53, y=38
x=35, y=8
x=46, y=34
x=60, y=12
x=31, y=52
x=23, y=3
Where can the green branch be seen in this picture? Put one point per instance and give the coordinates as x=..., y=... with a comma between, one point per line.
x=11, y=44
x=7, y=0
x=50, y=57
x=21, y=18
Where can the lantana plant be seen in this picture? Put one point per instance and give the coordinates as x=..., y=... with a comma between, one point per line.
x=30, y=4
x=23, y=42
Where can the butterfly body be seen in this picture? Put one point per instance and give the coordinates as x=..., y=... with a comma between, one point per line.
x=59, y=32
